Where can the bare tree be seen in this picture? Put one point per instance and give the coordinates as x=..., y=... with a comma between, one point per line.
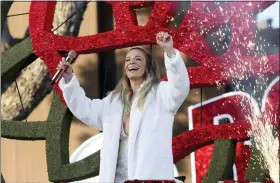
x=33, y=80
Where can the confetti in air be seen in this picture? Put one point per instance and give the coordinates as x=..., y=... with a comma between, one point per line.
x=264, y=134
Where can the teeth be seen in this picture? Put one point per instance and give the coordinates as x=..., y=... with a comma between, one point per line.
x=132, y=68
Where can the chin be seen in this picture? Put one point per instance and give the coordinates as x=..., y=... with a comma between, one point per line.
x=134, y=77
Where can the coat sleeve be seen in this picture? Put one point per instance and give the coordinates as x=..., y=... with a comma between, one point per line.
x=87, y=110
x=175, y=90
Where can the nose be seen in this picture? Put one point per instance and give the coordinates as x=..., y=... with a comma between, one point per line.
x=132, y=61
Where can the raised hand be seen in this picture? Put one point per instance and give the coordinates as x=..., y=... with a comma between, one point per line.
x=164, y=40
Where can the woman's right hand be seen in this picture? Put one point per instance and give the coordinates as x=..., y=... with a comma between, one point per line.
x=68, y=73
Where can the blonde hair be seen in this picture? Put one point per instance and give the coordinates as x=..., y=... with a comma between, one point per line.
x=150, y=79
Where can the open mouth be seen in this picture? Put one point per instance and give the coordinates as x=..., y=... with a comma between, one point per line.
x=133, y=69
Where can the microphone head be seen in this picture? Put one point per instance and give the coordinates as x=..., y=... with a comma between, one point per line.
x=72, y=54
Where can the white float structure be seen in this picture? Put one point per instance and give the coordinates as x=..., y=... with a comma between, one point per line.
x=88, y=148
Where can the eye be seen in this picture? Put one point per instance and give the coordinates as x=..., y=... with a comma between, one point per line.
x=127, y=60
x=138, y=58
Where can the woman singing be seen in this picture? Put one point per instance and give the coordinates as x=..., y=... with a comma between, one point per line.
x=137, y=116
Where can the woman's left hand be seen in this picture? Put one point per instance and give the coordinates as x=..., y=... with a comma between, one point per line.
x=164, y=40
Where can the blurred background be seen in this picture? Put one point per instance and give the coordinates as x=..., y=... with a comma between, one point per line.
x=25, y=161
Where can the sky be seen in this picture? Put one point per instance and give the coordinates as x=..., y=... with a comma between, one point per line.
x=271, y=12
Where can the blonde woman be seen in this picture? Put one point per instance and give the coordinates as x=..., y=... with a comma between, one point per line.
x=137, y=117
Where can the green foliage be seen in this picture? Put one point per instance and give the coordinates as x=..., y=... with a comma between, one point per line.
x=15, y=59
x=57, y=145
x=56, y=131
x=23, y=130
x=256, y=171
x=222, y=161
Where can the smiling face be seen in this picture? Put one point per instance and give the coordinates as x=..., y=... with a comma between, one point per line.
x=135, y=64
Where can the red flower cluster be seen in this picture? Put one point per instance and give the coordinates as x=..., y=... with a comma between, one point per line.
x=188, y=38
x=190, y=141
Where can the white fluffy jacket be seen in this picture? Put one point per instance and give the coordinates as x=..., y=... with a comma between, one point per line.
x=150, y=131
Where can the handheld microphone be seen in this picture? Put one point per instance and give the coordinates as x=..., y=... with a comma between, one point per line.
x=70, y=57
